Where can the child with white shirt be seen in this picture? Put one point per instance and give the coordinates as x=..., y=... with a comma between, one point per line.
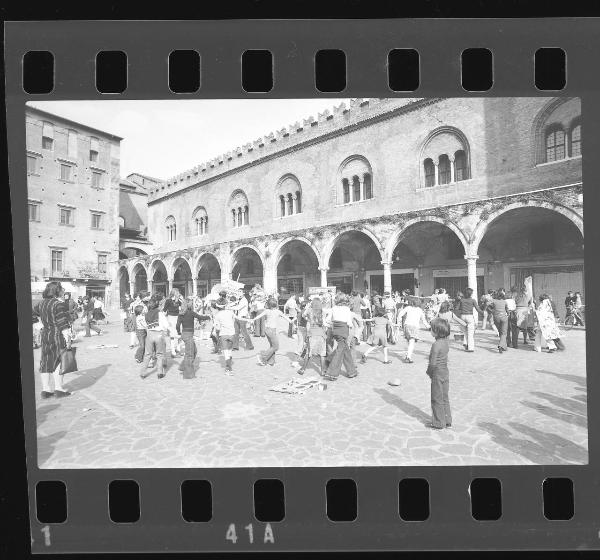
x=413, y=317
x=271, y=314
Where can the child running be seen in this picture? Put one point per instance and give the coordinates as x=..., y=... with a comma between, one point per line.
x=316, y=336
x=379, y=336
x=224, y=324
x=437, y=370
x=271, y=313
x=141, y=330
x=413, y=317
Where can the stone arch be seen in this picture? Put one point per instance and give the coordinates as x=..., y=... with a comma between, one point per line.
x=238, y=208
x=289, y=189
x=396, y=237
x=430, y=150
x=155, y=263
x=251, y=275
x=139, y=275
x=196, y=266
x=232, y=260
x=330, y=245
x=351, y=170
x=176, y=262
x=483, y=225
x=276, y=254
x=540, y=121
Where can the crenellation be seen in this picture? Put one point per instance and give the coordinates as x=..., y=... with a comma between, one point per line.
x=299, y=131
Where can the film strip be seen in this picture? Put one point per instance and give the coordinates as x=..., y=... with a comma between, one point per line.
x=541, y=494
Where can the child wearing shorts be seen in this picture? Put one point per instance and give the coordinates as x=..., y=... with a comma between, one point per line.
x=413, y=317
x=437, y=370
x=379, y=337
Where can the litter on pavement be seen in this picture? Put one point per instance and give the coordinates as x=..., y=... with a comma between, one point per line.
x=296, y=386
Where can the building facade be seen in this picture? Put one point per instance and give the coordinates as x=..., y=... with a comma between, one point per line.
x=73, y=196
x=383, y=194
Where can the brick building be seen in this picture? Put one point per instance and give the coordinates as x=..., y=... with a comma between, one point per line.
x=133, y=215
x=73, y=192
x=385, y=193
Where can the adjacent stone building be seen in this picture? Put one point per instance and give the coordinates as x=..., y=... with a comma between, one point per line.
x=383, y=194
x=133, y=215
x=73, y=192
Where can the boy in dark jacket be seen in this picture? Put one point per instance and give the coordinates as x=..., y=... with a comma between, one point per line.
x=185, y=328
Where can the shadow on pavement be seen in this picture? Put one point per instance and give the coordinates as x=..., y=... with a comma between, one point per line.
x=526, y=448
x=86, y=378
x=567, y=403
x=407, y=408
x=557, y=414
x=560, y=447
x=42, y=412
x=580, y=380
x=46, y=445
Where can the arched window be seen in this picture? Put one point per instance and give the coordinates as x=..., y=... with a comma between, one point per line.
x=171, y=227
x=557, y=130
x=429, y=169
x=281, y=205
x=445, y=157
x=444, y=169
x=555, y=144
x=200, y=221
x=239, y=208
x=355, y=180
x=368, y=186
x=288, y=192
x=576, y=140
x=346, y=187
x=460, y=166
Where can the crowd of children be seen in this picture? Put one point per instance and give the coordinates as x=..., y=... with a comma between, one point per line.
x=331, y=329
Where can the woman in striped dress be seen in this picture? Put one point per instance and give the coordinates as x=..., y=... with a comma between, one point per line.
x=54, y=316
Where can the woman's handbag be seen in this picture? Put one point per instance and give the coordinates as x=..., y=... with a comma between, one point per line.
x=68, y=363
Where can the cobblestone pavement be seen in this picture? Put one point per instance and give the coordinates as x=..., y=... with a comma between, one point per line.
x=521, y=407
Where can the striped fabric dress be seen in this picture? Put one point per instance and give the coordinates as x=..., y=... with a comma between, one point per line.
x=55, y=318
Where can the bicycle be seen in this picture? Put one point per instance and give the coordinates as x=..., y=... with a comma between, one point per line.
x=572, y=314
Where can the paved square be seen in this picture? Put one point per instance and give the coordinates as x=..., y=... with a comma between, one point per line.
x=518, y=408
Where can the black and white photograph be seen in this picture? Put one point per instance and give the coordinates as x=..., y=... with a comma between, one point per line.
x=307, y=282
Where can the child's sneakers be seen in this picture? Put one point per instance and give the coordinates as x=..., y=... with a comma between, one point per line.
x=408, y=360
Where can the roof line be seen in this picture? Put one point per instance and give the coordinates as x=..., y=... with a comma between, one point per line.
x=71, y=121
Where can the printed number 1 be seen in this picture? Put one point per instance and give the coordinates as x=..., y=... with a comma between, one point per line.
x=250, y=533
x=46, y=532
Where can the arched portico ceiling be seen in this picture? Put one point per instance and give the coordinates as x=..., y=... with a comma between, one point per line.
x=334, y=241
x=288, y=242
x=182, y=263
x=492, y=218
x=409, y=227
x=239, y=252
x=205, y=260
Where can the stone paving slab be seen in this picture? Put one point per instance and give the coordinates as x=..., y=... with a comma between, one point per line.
x=518, y=408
